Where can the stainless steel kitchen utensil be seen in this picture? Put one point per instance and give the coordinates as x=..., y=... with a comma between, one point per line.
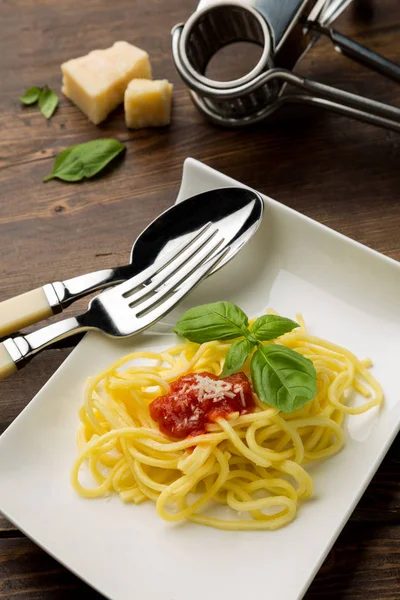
x=286, y=31
x=236, y=211
x=132, y=306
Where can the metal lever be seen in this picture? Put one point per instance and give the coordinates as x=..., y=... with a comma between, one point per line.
x=366, y=106
x=357, y=52
x=340, y=109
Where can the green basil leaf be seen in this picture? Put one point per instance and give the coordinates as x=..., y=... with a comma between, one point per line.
x=97, y=154
x=270, y=327
x=48, y=102
x=216, y=321
x=85, y=160
x=282, y=377
x=31, y=96
x=236, y=356
x=67, y=167
x=61, y=158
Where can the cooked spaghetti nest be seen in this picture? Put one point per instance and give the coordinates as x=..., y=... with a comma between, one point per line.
x=253, y=463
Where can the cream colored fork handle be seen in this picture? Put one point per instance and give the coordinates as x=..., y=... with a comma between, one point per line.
x=23, y=310
x=7, y=365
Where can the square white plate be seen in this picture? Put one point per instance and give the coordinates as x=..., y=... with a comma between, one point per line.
x=348, y=294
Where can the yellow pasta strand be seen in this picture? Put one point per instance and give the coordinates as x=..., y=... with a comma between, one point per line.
x=254, y=464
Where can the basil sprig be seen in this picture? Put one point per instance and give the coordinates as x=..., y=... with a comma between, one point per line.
x=281, y=377
x=85, y=160
x=48, y=100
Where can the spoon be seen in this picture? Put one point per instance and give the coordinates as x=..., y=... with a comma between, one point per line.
x=236, y=211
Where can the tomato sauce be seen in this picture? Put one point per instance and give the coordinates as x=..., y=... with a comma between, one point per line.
x=198, y=399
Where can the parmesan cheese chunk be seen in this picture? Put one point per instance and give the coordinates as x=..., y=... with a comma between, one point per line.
x=148, y=103
x=96, y=83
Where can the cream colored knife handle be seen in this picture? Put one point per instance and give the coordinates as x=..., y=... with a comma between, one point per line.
x=23, y=310
x=7, y=365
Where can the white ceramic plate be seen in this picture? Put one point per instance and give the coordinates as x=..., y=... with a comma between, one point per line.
x=348, y=294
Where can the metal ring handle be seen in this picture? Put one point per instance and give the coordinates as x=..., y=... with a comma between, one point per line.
x=210, y=29
x=225, y=100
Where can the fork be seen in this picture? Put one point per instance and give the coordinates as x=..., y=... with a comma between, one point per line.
x=130, y=307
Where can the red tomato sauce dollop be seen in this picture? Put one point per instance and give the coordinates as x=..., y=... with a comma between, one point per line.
x=198, y=399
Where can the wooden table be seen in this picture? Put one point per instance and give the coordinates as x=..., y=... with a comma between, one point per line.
x=339, y=172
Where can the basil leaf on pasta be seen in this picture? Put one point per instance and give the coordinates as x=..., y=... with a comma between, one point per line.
x=237, y=355
x=216, y=321
x=270, y=327
x=282, y=377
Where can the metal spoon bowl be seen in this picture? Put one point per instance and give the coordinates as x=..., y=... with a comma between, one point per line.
x=236, y=211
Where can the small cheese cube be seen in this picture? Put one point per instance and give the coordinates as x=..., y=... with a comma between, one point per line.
x=96, y=82
x=148, y=103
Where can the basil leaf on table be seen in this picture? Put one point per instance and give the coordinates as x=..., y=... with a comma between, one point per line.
x=85, y=160
x=237, y=355
x=66, y=167
x=270, y=327
x=48, y=102
x=216, y=321
x=31, y=96
x=282, y=377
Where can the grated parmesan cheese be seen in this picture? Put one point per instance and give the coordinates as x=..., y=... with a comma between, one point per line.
x=242, y=399
x=210, y=389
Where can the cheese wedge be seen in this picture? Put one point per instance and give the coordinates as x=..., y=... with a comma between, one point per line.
x=96, y=82
x=148, y=103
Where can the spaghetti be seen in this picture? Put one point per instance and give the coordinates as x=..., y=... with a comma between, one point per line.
x=252, y=463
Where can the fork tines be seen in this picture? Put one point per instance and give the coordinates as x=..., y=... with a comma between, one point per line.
x=174, y=276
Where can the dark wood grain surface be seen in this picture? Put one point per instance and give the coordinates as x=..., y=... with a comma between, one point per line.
x=339, y=172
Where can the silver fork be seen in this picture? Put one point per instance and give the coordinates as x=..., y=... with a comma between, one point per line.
x=129, y=308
